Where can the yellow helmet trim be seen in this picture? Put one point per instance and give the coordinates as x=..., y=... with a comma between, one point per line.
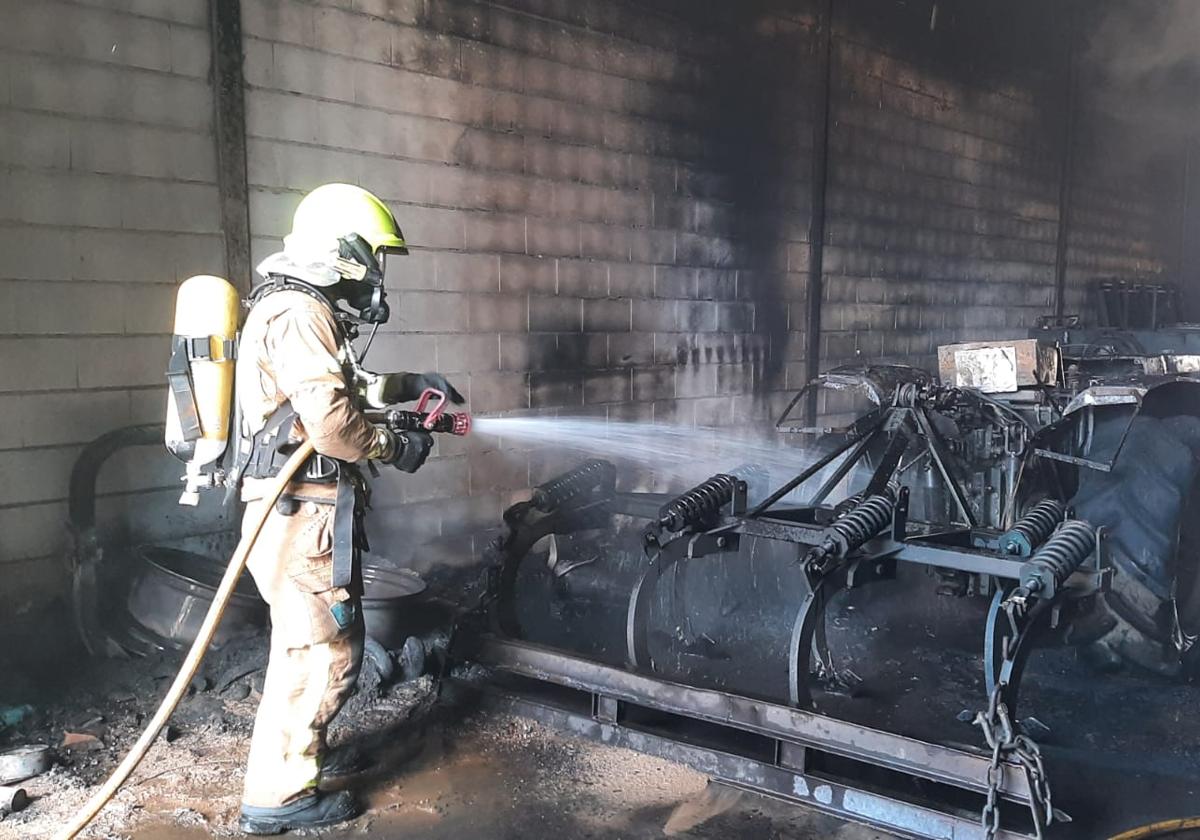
x=335, y=210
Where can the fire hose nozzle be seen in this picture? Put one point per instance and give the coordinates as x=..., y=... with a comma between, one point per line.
x=460, y=423
x=435, y=420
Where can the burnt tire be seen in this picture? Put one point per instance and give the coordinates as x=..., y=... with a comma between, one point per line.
x=1149, y=505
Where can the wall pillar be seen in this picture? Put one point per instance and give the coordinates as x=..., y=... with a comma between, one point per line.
x=229, y=132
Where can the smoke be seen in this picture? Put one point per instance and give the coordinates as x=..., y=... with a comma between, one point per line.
x=1141, y=64
x=1137, y=121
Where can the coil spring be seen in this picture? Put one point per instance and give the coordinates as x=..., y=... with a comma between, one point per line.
x=699, y=504
x=1035, y=526
x=862, y=523
x=851, y=502
x=546, y=497
x=1061, y=555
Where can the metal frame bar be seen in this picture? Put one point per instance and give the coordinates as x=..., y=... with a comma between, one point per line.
x=941, y=460
x=863, y=429
x=794, y=730
x=822, y=119
x=843, y=469
x=917, y=550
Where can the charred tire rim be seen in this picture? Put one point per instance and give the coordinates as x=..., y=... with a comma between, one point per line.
x=393, y=603
x=172, y=593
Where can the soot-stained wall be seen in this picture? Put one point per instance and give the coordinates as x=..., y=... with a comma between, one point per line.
x=611, y=202
x=953, y=126
x=607, y=202
x=943, y=176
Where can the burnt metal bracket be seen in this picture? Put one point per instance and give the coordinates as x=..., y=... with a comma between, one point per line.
x=605, y=709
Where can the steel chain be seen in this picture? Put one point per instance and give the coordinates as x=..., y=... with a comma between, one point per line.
x=1006, y=743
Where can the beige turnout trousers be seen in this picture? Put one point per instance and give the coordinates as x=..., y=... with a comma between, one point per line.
x=314, y=663
x=289, y=352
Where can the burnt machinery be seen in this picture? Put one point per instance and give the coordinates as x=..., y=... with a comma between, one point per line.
x=1058, y=487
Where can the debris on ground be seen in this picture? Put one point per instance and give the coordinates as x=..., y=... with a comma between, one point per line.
x=95, y=711
x=12, y=799
x=81, y=742
x=24, y=762
x=11, y=716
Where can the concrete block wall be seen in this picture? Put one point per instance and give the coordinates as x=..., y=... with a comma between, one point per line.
x=948, y=127
x=107, y=199
x=603, y=222
x=1127, y=199
x=942, y=214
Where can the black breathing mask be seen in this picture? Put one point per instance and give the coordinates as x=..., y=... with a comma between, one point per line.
x=364, y=294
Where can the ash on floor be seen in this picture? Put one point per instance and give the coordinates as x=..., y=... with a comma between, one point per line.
x=437, y=774
x=501, y=778
x=93, y=711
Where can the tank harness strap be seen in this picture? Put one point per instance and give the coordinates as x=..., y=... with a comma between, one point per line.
x=256, y=454
x=344, y=515
x=179, y=378
x=280, y=282
x=184, y=350
x=272, y=444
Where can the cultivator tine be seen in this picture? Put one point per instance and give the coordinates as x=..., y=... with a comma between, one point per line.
x=809, y=617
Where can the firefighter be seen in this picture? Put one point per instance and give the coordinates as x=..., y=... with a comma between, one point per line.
x=298, y=378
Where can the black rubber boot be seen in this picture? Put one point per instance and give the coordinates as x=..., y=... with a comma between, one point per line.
x=341, y=762
x=310, y=812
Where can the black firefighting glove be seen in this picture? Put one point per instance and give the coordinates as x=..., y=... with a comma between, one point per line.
x=412, y=448
x=405, y=451
x=406, y=387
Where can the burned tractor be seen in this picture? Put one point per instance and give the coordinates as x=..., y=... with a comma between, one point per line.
x=1056, y=482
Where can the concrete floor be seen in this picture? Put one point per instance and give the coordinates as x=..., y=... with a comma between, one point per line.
x=503, y=778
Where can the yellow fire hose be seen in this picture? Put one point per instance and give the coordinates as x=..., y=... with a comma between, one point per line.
x=195, y=656
x=1159, y=829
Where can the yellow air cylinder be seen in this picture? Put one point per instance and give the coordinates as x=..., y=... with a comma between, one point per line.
x=197, y=424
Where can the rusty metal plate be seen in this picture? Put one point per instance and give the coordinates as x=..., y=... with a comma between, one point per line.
x=998, y=367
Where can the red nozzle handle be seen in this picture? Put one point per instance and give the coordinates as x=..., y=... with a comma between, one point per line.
x=435, y=412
